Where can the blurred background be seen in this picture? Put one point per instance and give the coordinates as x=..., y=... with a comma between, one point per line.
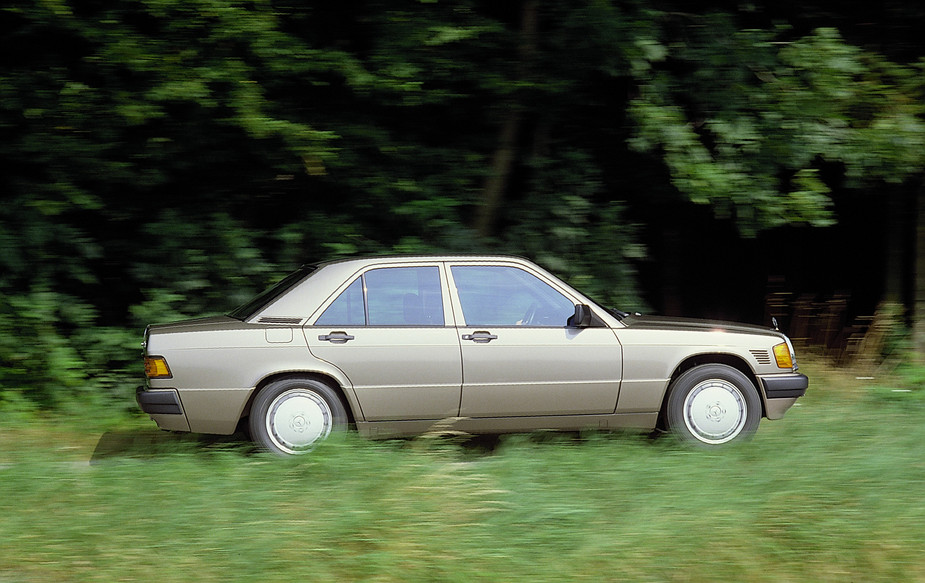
x=166, y=159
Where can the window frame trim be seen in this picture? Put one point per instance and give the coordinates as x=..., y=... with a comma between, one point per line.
x=449, y=316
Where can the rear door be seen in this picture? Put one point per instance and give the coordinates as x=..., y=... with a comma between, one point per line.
x=391, y=332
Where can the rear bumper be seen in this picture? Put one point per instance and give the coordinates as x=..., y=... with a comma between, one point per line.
x=164, y=407
x=164, y=402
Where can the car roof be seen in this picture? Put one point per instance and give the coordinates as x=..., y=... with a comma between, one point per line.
x=371, y=259
x=338, y=272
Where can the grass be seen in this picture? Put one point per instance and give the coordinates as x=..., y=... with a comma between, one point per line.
x=832, y=492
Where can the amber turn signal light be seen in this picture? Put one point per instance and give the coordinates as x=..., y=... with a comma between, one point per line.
x=156, y=367
x=782, y=356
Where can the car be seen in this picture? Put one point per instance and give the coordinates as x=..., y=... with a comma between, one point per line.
x=399, y=346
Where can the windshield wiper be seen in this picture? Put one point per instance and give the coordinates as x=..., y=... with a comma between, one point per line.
x=620, y=314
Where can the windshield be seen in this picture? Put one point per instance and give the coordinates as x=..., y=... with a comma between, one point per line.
x=264, y=298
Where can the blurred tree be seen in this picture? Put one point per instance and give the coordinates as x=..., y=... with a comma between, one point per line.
x=747, y=124
x=762, y=127
x=158, y=154
x=165, y=158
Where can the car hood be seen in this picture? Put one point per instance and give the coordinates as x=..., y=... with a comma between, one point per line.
x=693, y=325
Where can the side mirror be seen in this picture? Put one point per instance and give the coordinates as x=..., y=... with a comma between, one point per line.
x=581, y=318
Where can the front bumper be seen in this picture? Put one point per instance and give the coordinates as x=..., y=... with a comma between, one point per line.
x=781, y=391
x=785, y=386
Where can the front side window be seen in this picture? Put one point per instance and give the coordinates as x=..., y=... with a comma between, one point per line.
x=496, y=295
x=391, y=296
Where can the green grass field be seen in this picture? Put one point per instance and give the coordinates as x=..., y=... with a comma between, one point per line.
x=832, y=492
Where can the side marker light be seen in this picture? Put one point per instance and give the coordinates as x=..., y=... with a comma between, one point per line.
x=156, y=367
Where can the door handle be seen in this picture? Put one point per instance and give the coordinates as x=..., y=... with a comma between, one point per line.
x=481, y=337
x=336, y=337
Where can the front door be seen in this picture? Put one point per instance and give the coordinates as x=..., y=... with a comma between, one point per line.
x=519, y=356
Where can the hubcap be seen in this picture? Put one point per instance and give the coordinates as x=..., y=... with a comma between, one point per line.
x=715, y=411
x=297, y=419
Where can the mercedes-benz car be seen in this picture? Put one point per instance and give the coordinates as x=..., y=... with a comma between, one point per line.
x=399, y=346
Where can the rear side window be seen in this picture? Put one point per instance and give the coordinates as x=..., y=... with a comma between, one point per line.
x=392, y=296
x=347, y=309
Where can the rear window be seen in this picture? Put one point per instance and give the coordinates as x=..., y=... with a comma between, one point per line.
x=264, y=299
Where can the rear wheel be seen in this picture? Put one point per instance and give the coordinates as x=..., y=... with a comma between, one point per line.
x=290, y=416
x=713, y=404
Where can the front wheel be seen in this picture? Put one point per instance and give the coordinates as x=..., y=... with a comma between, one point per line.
x=290, y=416
x=713, y=404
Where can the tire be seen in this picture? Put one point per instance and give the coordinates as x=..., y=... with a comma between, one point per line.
x=713, y=404
x=290, y=416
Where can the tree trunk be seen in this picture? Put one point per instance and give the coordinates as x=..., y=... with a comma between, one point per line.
x=671, y=266
x=505, y=155
x=918, y=313
x=896, y=241
x=501, y=167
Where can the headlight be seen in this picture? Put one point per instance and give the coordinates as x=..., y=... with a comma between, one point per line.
x=783, y=354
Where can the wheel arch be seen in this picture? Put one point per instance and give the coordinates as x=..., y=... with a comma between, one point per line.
x=311, y=375
x=690, y=362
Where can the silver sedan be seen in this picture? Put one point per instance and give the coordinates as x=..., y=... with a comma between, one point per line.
x=398, y=346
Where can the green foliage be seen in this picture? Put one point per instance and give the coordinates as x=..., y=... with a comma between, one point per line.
x=751, y=120
x=53, y=354
x=908, y=388
x=163, y=159
x=561, y=225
